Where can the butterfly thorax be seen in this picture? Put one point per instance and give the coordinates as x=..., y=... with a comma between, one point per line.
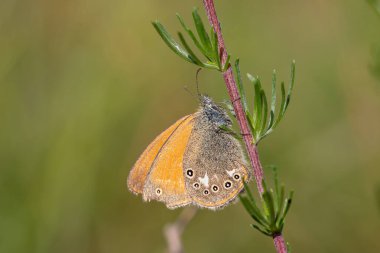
x=214, y=113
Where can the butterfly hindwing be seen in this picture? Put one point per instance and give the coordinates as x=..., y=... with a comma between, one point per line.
x=214, y=166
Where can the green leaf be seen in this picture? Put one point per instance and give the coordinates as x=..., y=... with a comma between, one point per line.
x=273, y=100
x=264, y=112
x=194, y=58
x=286, y=208
x=253, y=202
x=240, y=86
x=257, y=110
x=276, y=184
x=226, y=64
x=281, y=203
x=248, y=192
x=289, y=249
x=252, y=210
x=262, y=230
x=292, y=78
x=251, y=124
x=172, y=44
x=282, y=107
x=202, y=34
x=215, y=48
x=269, y=202
x=191, y=34
x=266, y=206
x=230, y=131
x=288, y=203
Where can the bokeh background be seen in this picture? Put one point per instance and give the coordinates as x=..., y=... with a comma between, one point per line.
x=86, y=85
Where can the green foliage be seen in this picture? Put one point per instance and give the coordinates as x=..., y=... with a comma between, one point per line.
x=270, y=218
x=377, y=195
x=375, y=5
x=206, y=43
x=375, y=65
x=289, y=249
x=258, y=120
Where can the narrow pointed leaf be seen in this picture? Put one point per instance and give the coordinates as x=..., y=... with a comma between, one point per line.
x=282, y=107
x=262, y=230
x=276, y=189
x=258, y=104
x=252, y=201
x=202, y=34
x=215, y=48
x=276, y=185
x=230, y=132
x=226, y=64
x=287, y=205
x=254, y=212
x=269, y=202
x=264, y=111
x=194, y=58
x=172, y=44
x=240, y=85
x=273, y=100
x=281, y=203
x=292, y=77
x=248, y=191
x=251, y=124
x=289, y=249
x=192, y=36
x=266, y=207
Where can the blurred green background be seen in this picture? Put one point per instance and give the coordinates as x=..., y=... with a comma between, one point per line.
x=86, y=85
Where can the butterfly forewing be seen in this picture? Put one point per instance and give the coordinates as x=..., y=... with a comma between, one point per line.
x=165, y=181
x=138, y=174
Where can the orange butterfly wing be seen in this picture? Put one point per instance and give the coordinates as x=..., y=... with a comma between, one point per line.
x=158, y=173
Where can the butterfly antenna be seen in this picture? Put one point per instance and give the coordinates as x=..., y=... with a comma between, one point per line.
x=189, y=91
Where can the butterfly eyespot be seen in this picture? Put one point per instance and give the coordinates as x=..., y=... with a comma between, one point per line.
x=237, y=176
x=215, y=188
x=158, y=191
x=227, y=184
x=206, y=192
x=189, y=173
x=196, y=185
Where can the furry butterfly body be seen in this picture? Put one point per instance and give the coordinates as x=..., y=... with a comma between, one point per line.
x=194, y=162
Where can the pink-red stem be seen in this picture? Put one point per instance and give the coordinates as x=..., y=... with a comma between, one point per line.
x=279, y=243
x=240, y=114
x=234, y=96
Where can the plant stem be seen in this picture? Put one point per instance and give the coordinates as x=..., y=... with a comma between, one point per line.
x=279, y=243
x=239, y=112
x=173, y=231
x=235, y=99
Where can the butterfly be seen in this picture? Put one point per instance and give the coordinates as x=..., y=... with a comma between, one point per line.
x=193, y=162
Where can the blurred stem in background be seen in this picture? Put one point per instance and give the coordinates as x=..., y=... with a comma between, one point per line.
x=173, y=231
x=375, y=4
x=375, y=69
x=375, y=65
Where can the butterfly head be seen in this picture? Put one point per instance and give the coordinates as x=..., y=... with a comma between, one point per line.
x=214, y=113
